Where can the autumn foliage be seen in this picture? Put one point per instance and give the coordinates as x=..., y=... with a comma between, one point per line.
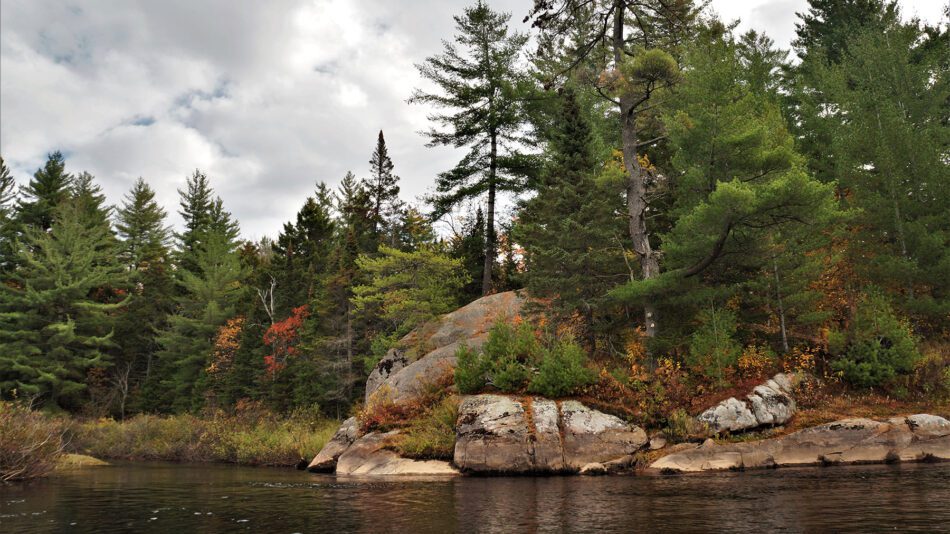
x=282, y=337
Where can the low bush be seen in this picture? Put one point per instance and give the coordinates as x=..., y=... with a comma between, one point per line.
x=514, y=360
x=30, y=442
x=563, y=371
x=713, y=350
x=432, y=435
x=879, y=346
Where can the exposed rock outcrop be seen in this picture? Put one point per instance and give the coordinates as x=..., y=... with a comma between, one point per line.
x=325, y=460
x=915, y=438
x=369, y=456
x=500, y=434
x=394, y=361
x=769, y=404
x=427, y=353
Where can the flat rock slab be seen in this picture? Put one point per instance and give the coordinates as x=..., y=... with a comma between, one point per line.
x=919, y=437
x=369, y=456
x=501, y=434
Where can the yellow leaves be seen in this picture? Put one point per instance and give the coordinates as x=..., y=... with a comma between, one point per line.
x=754, y=362
x=226, y=344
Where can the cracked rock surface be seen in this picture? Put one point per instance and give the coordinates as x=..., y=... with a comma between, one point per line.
x=921, y=437
x=501, y=434
x=769, y=404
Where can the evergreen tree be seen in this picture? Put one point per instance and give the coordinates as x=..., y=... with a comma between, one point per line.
x=889, y=93
x=412, y=230
x=7, y=191
x=569, y=230
x=639, y=66
x=478, y=83
x=408, y=288
x=209, y=298
x=48, y=188
x=8, y=197
x=302, y=251
x=91, y=199
x=822, y=40
x=59, y=309
x=383, y=189
x=196, y=204
x=145, y=254
x=739, y=184
x=468, y=244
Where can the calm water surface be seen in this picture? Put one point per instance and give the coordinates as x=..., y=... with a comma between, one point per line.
x=189, y=499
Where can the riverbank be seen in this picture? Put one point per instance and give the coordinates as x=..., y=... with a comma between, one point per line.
x=32, y=443
x=261, y=439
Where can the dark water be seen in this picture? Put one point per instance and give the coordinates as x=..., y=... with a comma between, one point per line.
x=189, y=499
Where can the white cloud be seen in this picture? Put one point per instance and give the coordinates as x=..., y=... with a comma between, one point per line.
x=266, y=97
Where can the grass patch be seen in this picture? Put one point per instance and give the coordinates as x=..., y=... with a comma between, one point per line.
x=431, y=436
x=261, y=439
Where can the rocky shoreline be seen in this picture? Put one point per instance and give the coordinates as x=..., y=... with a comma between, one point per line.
x=524, y=435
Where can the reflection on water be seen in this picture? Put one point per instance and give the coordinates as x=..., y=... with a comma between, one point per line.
x=216, y=498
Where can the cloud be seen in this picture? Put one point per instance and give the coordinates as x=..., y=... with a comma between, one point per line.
x=266, y=97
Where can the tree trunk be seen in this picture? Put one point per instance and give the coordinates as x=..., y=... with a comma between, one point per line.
x=490, y=225
x=781, y=306
x=636, y=179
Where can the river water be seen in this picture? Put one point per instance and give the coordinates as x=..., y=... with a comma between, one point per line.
x=191, y=499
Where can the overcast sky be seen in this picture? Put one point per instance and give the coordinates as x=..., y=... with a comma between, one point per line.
x=266, y=97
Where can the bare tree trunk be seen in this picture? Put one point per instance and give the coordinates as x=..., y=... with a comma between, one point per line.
x=781, y=306
x=490, y=225
x=636, y=178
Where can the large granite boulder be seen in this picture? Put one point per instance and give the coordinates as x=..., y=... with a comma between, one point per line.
x=850, y=441
x=369, y=455
x=427, y=354
x=501, y=434
x=326, y=459
x=394, y=361
x=769, y=404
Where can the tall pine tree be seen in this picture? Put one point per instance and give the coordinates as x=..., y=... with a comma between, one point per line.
x=478, y=81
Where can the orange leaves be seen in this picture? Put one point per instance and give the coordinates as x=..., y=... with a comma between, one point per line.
x=283, y=337
x=226, y=344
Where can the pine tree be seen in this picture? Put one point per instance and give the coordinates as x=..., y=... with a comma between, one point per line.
x=91, y=199
x=143, y=251
x=59, y=309
x=889, y=93
x=478, y=83
x=8, y=197
x=208, y=300
x=740, y=186
x=48, y=188
x=302, y=251
x=639, y=66
x=196, y=204
x=383, y=190
x=7, y=191
x=569, y=230
x=821, y=41
x=468, y=244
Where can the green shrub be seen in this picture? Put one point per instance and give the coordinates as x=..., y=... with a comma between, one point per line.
x=563, y=370
x=30, y=442
x=471, y=371
x=880, y=345
x=514, y=359
x=432, y=436
x=713, y=348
